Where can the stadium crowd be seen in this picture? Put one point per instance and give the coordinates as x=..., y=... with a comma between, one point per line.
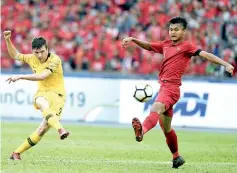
x=87, y=34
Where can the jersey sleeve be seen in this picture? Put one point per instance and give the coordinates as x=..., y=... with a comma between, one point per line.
x=26, y=58
x=53, y=64
x=193, y=50
x=157, y=47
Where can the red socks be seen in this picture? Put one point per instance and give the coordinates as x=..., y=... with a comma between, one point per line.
x=150, y=122
x=171, y=137
x=172, y=142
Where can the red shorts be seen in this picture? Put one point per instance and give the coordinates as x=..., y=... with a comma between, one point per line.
x=168, y=95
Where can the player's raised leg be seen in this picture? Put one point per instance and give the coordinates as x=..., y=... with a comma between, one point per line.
x=171, y=139
x=50, y=116
x=31, y=141
x=150, y=121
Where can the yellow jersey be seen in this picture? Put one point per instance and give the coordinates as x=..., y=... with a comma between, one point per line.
x=53, y=83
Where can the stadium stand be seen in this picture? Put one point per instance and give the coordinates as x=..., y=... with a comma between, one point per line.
x=87, y=34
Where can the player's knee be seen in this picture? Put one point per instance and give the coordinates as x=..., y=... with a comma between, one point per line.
x=166, y=129
x=167, y=124
x=42, y=130
x=42, y=103
x=161, y=125
x=157, y=107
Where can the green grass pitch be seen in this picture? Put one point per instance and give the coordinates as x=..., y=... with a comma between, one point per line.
x=95, y=149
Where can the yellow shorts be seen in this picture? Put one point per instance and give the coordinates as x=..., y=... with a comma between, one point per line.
x=56, y=101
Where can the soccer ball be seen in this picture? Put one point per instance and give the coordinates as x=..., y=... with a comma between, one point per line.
x=143, y=92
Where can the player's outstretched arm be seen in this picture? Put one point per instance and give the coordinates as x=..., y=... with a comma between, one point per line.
x=32, y=77
x=210, y=57
x=37, y=76
x=10, y=47
x=143, y=44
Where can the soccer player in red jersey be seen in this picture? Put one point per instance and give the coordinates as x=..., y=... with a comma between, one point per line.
x=177, y=53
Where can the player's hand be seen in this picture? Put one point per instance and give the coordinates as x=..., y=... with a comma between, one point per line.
x=126, y=41
x=13, y=79
x=229, y=68
x=7, y=34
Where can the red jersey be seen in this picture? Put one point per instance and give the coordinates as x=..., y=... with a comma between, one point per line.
x=176, y=59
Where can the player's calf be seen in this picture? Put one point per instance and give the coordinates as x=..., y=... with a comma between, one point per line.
x=137, y=126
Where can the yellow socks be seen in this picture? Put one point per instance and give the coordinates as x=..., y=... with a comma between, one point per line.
x=52, y=119
x=28, y=143
x=34, y=138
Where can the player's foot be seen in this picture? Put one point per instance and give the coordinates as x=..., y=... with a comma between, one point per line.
x=63, y=133
x=137, y=126
x=179, y=161
x=15, y=156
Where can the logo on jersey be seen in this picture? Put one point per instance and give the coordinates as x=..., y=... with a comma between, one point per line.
x=190, y=104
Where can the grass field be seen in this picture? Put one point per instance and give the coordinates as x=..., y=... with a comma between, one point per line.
x=93, y=149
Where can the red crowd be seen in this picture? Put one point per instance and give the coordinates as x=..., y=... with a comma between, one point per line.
x=87, y=34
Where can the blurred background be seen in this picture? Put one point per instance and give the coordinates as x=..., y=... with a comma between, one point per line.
x=87, y=34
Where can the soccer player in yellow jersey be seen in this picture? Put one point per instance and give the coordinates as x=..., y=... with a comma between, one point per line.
x=51, y=95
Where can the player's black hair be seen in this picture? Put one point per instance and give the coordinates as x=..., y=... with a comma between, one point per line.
x=38, y=42
x=179, y=20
